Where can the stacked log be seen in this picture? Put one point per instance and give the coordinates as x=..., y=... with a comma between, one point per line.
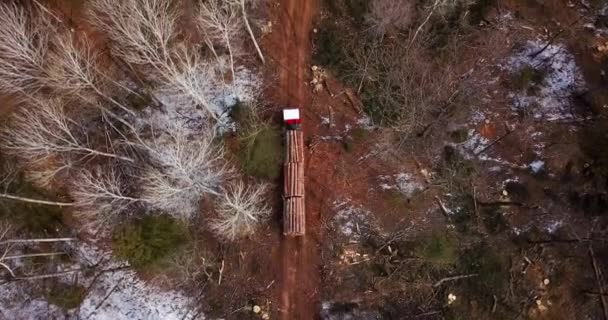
x=294, y=211
x=294, y=151
x=294, y=180
x=294, y=219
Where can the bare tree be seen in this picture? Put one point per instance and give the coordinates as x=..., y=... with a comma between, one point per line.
x=27, y=63
x=184, y=169
x=23, y=45
x=407, y=88
x=144, y=34
x=73, y=69
x=144, y=31
x=220, y=23
x=36, y=134
x=242, y=5
x=194, y=78
x=101, y=195
x=240, y=210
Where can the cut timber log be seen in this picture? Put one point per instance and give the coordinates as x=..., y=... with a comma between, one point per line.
x=294, y=151
x=293, y=185
x=294, y=223
x=294, y=215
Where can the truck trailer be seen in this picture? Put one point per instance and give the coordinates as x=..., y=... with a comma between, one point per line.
x=294, y=211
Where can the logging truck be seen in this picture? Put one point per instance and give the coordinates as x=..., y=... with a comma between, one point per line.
x=294, y=217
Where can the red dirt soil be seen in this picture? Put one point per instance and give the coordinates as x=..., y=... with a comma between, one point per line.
x=299, y=256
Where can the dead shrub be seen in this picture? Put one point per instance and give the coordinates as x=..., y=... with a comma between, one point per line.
x=400, y=87
x=386, y=16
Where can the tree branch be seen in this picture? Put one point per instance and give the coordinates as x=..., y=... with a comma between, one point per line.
x=255, y=43
x=36, y=201
x=444, y=280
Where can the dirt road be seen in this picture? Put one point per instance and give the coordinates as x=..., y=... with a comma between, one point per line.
x=299, y=256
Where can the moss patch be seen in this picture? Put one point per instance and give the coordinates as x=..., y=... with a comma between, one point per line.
x=459, y=136
x=260, y=144
x=439, y=250
x=359, y=134
x=146, y=241
x=492, y=274
x=329, y=50
x=264, y=154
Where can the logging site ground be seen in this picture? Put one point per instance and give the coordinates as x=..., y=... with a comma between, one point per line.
x=456, y=159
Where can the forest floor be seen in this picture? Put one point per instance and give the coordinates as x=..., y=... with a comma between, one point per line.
x=368, y=199
x=496, y=210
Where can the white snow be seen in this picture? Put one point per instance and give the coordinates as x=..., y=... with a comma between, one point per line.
x=16, y=303
x=562, y=79
x=592, y=25
x=507, y=181
x=474, y=144
x=404, y=183
x=553, y=226
x=536, y=166
x=116, y=294
x=366, y=123
x=350, y=219
x=478, y=117
x=126, y=296
x=325, y=121
x=181, y=111
x=130, y=298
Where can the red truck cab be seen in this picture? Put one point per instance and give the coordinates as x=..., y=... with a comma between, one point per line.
x=292, y=118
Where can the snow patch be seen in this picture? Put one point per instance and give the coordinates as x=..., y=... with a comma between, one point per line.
x=126, y=296
x=536, y=166
x=562, y=78
x=366, y=123
x=325, y=121
x=116, y=294
x=404, y=183
x=131, y=298
x=181, y=110
x=474, y=145
x=478, y=117
x=553, y=226
x=17, y=303
x=350, y=220
x=509, y=180
x=336, y=311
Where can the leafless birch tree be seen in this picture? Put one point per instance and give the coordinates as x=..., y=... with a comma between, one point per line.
x=73, y=69
x=144, y=33
x=242, y=4
x=36, y=134
x=23, y=46
x=240, y=210
x=220, y=23
x=184, y=169
x=101, y=195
